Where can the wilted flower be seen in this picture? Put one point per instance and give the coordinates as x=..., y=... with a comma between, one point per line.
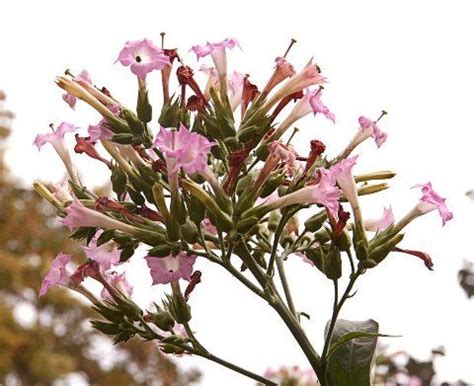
x=170, y=268
x=143, y=57
x=58, y=274
x=283, y=70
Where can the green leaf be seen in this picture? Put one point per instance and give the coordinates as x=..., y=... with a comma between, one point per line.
x=352, y=353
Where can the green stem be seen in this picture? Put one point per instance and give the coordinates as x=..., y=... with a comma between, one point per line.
x=284, y=283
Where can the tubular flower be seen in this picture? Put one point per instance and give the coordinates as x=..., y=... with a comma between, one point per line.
x=325, y=193
x=106, y=255
x=379, y=225
x=342, y=172
x=142, y=56
x=307, y=77
x=212, y=79
x=367, y=128
x=71, y=99
x=311, y=102
x=184, y=149
x=236, y=88
x=101, y=130
x=56, y=139
x=217, y=52
x=170, y=268
x=429, y=202
x=77, y=215
x=119, y=282
x=283, y=70
x=58, y=274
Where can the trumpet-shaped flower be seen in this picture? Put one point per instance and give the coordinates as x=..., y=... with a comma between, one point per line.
x=119, y=282
x=236, y=88
x=58, y=274
x=170, y=268
x=325, y=193
x=431, y=200
x=311, y=102
x=380, y=224
x=77, y=215
x=283, y=70
x=212, y=79
x=70, y=99
x=342, y=171
x=106, y=254
x=56, y=139
x=143, y=57
x=217, y=52
x=184, y=149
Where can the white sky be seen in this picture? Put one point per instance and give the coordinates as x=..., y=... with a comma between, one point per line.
x=413, y=59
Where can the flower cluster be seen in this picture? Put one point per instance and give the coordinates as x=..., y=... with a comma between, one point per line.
x=217, y=182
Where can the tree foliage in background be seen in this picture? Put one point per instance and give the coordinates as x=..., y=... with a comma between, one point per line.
x=44, y=340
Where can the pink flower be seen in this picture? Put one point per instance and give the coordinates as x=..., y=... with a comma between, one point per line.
x=325, y=193
x=212, y=79
x=431, y=201
x=342, y=171
x=56, y=139
x=311, y=102
x=369, y=128
x=283, y=70
x=166, y=269
x=217, y=52
x=143, y=57
x=318, y=106
x=379, y=225
x=307, y=77
x=102, y=130
x=236, y=88
x=57, y=275
x=106, y=255
x=77, y=215
x=71, y=99
x=61, y=192
x=208, y=226
x=118, y=281
x=184, y=149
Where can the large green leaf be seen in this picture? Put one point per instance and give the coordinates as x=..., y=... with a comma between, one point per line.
x=352, y=352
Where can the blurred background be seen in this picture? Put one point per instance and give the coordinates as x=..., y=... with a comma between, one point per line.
x=413, y=59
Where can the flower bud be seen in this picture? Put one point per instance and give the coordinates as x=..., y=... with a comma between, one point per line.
x=135, y=125
x=273, y=220
x=332, y=264
x=316, y=221
x=123, y=138
x=380, y=252
x=162, y=250
x=177, y=306
x=163, y=320
x=189, y=232
x=361, y=244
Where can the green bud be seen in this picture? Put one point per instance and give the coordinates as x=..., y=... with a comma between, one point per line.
x=244, y=183
x=162, y=250
x=136, y=197
x=123, y=138
x=273, y=220
x=189, y=232
x=170, y=349
x=163, y=320
x=361, y=245
x=344, y=241
x=196, y=210
x=129, y=308
x=119, y=181
x=323, y=235
x=333, y=264
x=273, y=182
x=379, y=253
x=144, y=109
x=126, y=254
x=106, y=328
x=135, y=125
x=316, y=221
x=179, y=309
x=368, y=263
x=246, y=224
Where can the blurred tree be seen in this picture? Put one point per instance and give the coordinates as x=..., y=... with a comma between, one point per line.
x=43, y=342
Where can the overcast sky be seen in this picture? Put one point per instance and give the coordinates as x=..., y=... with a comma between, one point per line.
x=413, y=59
